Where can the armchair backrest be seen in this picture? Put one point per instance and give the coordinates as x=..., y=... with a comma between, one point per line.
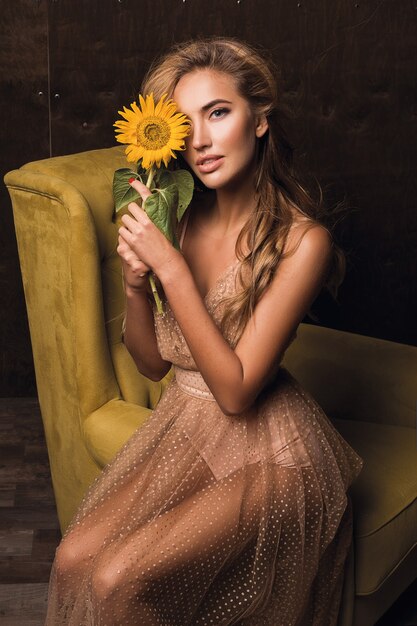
x=71, y=274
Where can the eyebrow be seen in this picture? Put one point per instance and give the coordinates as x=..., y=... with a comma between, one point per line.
x=213, y=103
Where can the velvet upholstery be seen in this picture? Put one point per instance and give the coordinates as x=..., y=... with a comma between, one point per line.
x=92, y=397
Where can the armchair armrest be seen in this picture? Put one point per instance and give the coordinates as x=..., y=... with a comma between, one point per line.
x=356, y=377
x=108, y=428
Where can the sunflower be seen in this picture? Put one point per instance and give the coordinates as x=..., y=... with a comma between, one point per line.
x=152, y=132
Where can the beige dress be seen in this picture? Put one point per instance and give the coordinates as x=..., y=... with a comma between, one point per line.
x=209, y=519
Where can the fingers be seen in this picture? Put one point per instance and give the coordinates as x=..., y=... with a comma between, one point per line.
x=122, y=246
x=142, y=189
x=131, y=222
x=141, y=235
x=137, y=211
x=137, y=228
x=131, y=259
x=138, y=268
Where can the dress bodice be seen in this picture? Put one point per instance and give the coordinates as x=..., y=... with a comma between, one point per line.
x=171, y=342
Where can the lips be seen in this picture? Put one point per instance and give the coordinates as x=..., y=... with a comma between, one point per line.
x=209, y=163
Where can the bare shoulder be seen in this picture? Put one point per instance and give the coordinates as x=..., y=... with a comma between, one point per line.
x=304, y=265
x=308, y=237
x=305, y=231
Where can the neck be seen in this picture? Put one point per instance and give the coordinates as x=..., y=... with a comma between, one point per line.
x=231, y=208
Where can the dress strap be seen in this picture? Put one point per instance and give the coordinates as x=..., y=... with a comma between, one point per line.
x=184, y=228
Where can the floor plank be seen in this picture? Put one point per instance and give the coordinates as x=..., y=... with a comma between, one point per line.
x=23, y=605
x=29, y=527
x=16, y=542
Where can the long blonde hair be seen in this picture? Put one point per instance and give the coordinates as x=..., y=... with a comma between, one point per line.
x=278, y=188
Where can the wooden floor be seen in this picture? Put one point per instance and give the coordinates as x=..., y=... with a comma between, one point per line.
x=29, y=529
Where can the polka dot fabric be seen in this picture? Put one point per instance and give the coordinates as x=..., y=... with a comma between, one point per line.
x=204, y=519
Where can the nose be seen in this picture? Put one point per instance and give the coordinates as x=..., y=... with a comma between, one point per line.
x=200, y=136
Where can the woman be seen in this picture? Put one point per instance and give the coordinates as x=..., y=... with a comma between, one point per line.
x=229, y=506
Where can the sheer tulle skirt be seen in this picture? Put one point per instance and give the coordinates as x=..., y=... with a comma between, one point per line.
x=208, y=519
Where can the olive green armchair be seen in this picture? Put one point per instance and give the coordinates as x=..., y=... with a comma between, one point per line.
x=93, y=398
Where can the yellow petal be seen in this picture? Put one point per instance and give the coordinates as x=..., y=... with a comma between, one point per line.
x=152, y=132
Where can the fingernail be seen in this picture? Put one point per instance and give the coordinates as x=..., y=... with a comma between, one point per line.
x=131, y=180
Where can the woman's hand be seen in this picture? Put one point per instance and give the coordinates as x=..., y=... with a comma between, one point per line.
x=149, y=248
x=134, y=270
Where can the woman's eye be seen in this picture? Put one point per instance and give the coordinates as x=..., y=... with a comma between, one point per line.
x=217, y=113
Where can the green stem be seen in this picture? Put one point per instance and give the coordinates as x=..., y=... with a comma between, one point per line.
x=157, y=299
x=150, y=177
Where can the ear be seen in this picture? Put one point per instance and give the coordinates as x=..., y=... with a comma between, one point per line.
x=261, y=126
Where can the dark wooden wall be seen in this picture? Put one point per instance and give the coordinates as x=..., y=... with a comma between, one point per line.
x=349, y=74
x=24, y=136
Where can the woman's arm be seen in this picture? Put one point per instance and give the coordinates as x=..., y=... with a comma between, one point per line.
x=140, y=337
x=139, y=334
x=235, y=377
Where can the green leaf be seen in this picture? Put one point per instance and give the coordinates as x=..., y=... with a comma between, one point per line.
x=185, y=183
x=123, y=192
x=160, y=208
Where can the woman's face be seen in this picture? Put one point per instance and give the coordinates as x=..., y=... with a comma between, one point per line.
x=221, y=146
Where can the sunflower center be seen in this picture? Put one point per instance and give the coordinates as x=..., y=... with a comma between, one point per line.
x=153, y=133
